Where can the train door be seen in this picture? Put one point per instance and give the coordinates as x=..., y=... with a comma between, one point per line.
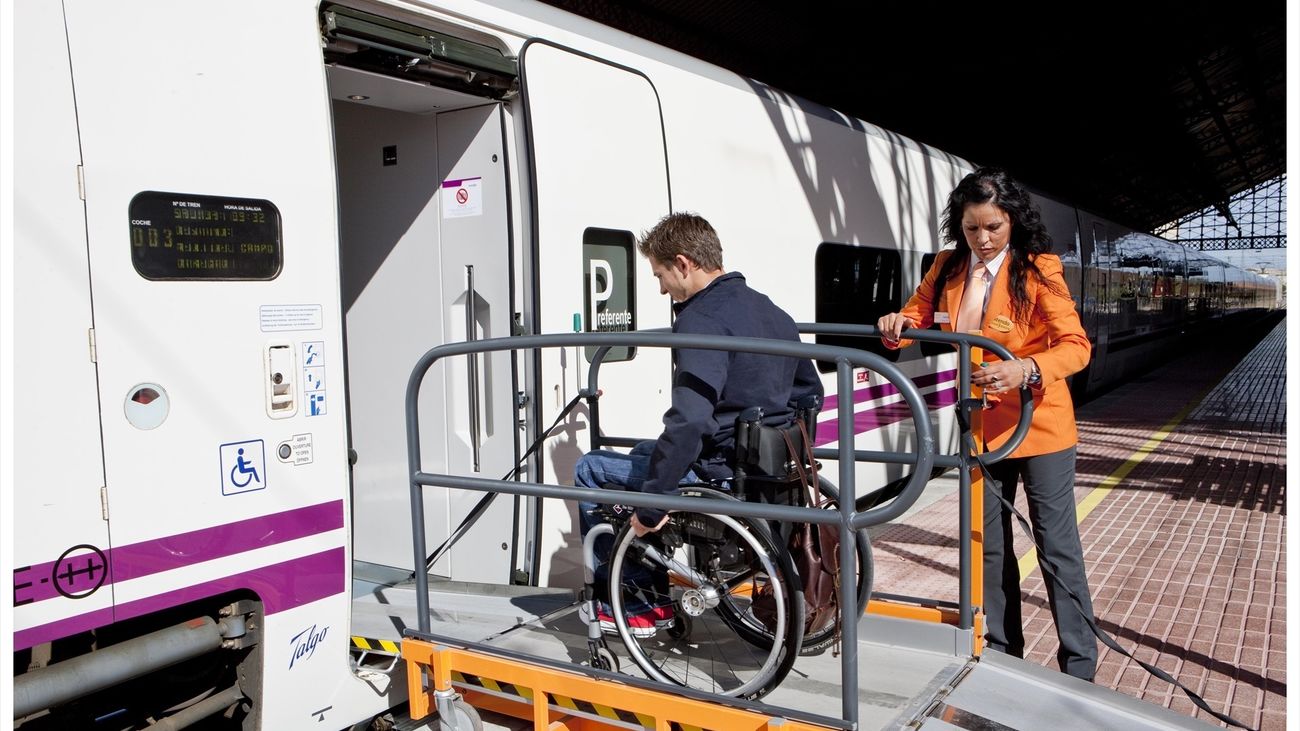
x=211, y=229
x=600, y=177
x=425, y=255
x=61, y=539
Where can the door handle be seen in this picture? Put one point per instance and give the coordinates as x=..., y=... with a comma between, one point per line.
x=470, y=336
x=281, y=375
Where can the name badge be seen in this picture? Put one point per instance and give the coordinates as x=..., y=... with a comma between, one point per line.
x=942, y=318
x=1002, y=324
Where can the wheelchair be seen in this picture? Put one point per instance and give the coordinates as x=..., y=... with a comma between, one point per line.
x=734, y=593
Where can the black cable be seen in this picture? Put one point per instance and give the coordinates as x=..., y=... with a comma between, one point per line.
x=1049, y=569
x=486, y=501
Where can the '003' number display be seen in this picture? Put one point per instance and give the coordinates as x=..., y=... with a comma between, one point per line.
x=185, y=236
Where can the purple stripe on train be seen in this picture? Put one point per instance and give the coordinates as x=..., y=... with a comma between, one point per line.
x=183, y=549
x=280, y=586
x=887, y=389
x=890, y=413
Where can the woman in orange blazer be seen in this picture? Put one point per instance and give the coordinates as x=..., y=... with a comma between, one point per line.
x=1000, y=281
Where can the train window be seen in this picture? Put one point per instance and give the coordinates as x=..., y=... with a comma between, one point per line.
x=609, y=292
x=856, y=285
x=184, y=236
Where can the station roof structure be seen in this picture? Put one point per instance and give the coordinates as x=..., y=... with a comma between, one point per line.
x=1139, y=111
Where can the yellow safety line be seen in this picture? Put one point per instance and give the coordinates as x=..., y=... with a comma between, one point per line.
x=1029, y=561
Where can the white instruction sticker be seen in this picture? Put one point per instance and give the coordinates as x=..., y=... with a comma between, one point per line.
x=279, y=318
x=313, y=379
x=313, y=353
x=295, y=451
x=462, y=198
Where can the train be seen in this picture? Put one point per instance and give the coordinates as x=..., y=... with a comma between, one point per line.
x=237, y=226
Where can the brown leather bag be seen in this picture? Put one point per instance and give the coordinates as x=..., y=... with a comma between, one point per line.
x=815, y=551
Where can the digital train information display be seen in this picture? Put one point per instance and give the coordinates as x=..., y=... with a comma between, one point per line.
x=181, y=236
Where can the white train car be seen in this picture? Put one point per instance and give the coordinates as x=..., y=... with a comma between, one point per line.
x=232, y=247
x=238, y=225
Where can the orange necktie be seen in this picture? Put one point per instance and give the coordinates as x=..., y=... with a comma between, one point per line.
x=970, y=316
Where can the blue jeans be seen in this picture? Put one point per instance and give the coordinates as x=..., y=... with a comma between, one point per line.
x=602, y=467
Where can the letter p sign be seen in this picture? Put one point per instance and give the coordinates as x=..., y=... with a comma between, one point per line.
x=602, y=286
x=610, y=291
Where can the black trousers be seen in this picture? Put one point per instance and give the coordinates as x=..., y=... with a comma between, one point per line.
x=1049, y=487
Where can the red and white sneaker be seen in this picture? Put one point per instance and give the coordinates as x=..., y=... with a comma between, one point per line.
x=641, y=626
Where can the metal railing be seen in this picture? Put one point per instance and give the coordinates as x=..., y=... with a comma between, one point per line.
x=848, y=519
x=962, y=460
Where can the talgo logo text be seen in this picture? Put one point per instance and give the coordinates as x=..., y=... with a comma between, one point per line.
x=304, y=644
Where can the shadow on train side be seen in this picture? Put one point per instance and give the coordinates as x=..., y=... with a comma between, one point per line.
x=1141, y=298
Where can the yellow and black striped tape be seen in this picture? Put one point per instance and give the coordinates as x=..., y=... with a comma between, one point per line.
x=576, y=706
x=387, y=647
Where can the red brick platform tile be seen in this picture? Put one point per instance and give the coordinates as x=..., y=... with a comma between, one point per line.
x=1185, y=555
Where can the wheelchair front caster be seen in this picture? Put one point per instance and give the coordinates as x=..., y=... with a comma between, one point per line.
x=605, y=660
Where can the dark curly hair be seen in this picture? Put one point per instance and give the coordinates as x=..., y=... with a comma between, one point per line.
x=1029, y=236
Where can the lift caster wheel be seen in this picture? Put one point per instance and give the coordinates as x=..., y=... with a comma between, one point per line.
x=680, y=629
x=465, y=718
x=605, y=660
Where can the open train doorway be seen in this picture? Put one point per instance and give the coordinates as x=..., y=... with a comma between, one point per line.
x=425, y=258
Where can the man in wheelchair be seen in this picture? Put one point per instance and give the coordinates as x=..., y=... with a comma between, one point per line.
x=711, y=388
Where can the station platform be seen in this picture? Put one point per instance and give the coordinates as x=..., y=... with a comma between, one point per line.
x=1181, y=492
x=506, y=647
x=1181, y=503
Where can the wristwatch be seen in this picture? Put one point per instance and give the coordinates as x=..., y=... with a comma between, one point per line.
x=1035, y=377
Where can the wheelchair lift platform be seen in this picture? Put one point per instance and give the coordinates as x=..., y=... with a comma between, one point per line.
x=524, y=652
x=503, y=647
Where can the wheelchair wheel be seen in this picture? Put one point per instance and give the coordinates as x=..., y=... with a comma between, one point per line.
x=816, y=641
x=716, y=571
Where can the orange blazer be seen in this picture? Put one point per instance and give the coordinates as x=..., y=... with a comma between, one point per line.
x=1053, y=336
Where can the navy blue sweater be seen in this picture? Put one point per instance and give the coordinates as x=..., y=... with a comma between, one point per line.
x=712, y=387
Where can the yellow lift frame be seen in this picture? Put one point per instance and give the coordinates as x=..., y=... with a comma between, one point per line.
x=559, y=700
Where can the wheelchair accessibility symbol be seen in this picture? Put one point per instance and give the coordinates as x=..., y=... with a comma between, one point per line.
x=243, y=467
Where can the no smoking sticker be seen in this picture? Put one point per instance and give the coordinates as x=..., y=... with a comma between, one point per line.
x=461, y=198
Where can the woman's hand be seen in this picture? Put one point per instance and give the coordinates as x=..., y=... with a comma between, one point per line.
x=892, y=326
x=1004, y=375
